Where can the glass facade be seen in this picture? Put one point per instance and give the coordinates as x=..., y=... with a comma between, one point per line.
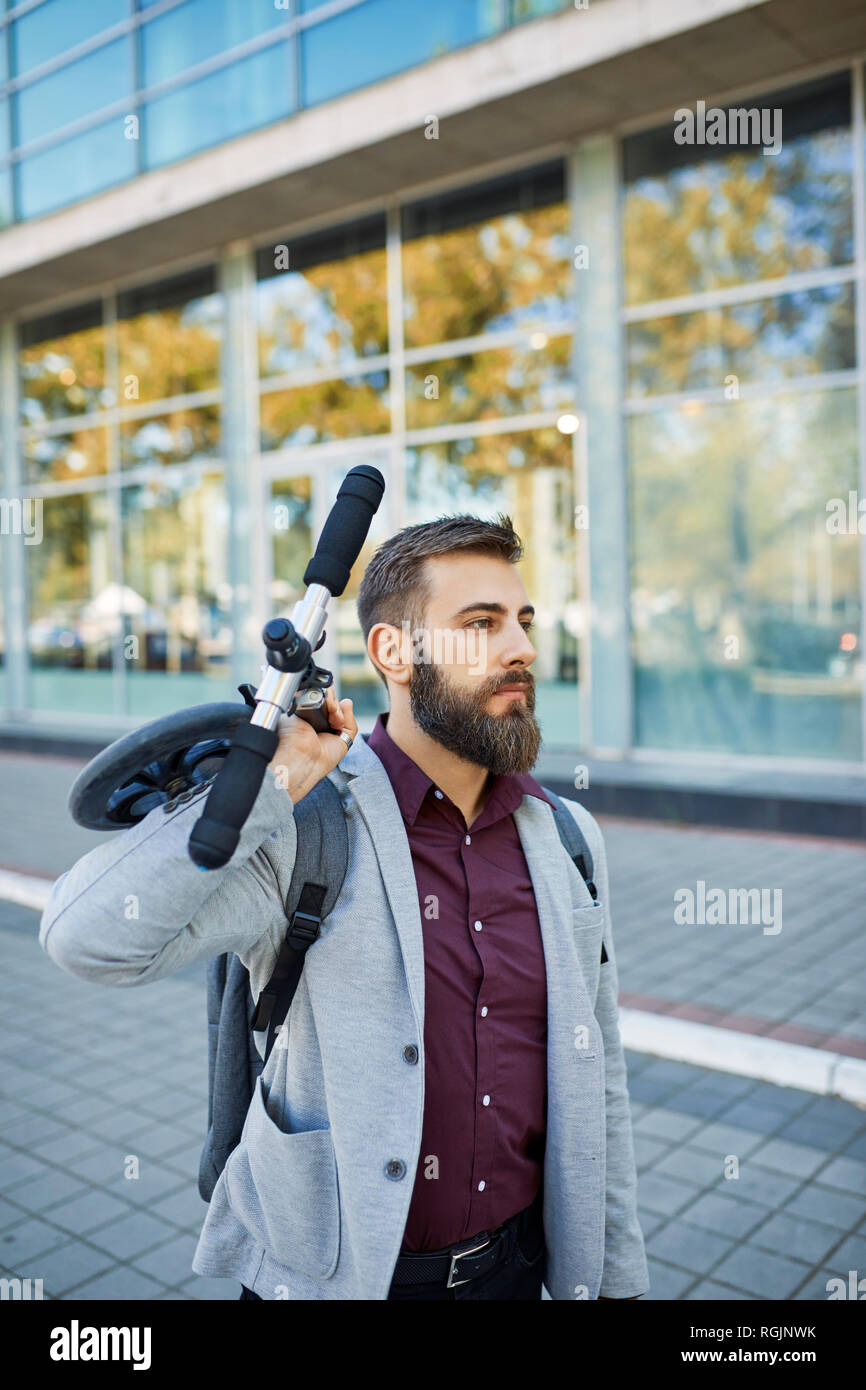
x=742, y=424
x=439, y=342
x=98, y=91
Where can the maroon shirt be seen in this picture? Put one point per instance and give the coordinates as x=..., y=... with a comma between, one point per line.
x=485, y=1025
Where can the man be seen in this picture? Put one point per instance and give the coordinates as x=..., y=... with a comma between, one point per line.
x=445, y=1115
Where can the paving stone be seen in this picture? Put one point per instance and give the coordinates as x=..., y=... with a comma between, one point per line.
x=42, y=1193
x=696, y=1166
x=794, y=1236
x=851, y=1254
x=760, y=1272
x=664, y=1195
x=723, y=1138
x=84, y=1213
x=783, y=1156
x=172, y=1262
x=647, y=1150
x=689, y=1247
x=709, y=1291
x=16, y=1166
x=20, y=1245
x=69, y=1265
x=815, y=1289
x=730, y=1216
x=667, y=1124
x=185, y=1208
x=666, y=1282
x=762, y=1185
x=120, y=1284
x=709, y=1104
x=210, y=1290
x=847, y=1173
x=131, y=1235
x=819, y=1134
x=826, y=1204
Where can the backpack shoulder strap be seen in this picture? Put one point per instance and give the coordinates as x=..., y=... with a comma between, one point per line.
x=321, y=859
x=574, y=840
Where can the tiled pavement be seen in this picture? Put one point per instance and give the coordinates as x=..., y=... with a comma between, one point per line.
x=91, y=1077
x=809, y=977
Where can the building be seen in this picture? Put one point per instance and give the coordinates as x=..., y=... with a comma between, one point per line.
x=600, y=265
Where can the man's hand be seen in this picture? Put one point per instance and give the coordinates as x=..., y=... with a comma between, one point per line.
x=304, y=757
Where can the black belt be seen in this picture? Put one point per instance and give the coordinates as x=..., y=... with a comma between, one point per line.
x=466, y=1260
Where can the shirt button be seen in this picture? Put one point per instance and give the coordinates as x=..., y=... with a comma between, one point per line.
x=484, y=1012
x=477, y=926
x=438, y=794
x=410, y=1053
x=469, y=839
x=486, y=1100
x=482, y=1185
x=395, y=1168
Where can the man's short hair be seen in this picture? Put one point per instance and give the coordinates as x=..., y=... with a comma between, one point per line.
x=395, y=587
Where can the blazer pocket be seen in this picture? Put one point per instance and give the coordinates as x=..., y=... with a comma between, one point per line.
x=283, y=1188
x=588, y=925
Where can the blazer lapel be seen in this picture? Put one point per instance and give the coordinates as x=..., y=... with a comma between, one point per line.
x=368, y=782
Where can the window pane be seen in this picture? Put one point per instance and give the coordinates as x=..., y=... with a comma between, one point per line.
x=62, y=365
x=177, y=595
x=291, y=522
x=356, y=677
x=530, y=9
x=177, y=437
x=59, y=25
x=700, y=217
x=485, y=385
x=328, y=306
x=199, y=30
x=76, y=168
x=767, y=340
x=5, y=132
x=326, y=410
x=745, y=608
x=72, y=620
x=169, y=337
x=529, y=476
x=97, y=80
x=63, y=458
x=241, y=97
x=5, y=197
x=487, y=259
x=382, y=37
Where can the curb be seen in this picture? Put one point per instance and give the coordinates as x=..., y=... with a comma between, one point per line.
x=743, y=1054
x=675, y=1039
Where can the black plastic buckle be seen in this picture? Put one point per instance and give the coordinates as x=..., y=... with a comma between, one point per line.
x=303, y=930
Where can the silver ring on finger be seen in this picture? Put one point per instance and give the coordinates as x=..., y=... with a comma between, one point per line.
x=347, y=738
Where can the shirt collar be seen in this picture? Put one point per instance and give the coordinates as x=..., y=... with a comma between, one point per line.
x=411, y=784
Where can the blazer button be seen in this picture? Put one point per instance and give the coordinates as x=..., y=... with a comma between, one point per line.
x=169, y=806
x=395, y=1169
x=410, y=1054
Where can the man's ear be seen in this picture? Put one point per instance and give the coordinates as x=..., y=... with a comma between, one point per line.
x=386, y=649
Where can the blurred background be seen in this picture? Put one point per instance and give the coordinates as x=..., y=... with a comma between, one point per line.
x=248, y=244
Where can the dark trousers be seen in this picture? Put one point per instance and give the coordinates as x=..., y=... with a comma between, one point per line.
x=516, y=1277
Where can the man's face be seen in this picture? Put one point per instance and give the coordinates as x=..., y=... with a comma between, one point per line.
x=471, y=688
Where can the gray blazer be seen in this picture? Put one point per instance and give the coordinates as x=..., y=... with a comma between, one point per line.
x=313, y=1202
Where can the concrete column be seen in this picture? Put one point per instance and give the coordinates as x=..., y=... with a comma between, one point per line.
x=240, y=449
x=594, y=181
x=13, y=563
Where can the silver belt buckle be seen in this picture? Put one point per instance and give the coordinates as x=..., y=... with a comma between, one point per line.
x=473, y=1250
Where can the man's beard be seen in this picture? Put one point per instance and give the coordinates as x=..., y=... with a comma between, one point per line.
x=458, y=720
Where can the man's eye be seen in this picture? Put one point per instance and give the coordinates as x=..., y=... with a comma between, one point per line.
x=528, y=627
x=475, y=621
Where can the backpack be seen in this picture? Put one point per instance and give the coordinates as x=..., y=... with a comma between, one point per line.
x=236, y=1056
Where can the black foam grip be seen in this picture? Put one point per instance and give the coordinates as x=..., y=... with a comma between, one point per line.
x=346, y=528
x=215, y=835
